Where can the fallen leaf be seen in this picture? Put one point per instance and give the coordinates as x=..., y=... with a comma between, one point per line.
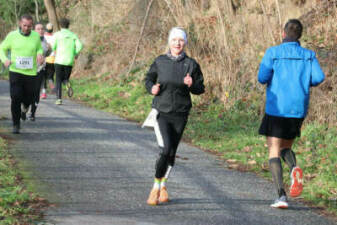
x=231, y=160
x=309, y=176
x=247, y=149
x=265, y=166
x=233, y=166
x=251, y=162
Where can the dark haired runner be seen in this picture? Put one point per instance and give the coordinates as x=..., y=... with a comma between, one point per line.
x=289, y=72
x=26, y=52
x=67, y=46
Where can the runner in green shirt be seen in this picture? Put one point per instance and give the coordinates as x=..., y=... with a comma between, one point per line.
x=67, y=46
x=26, y=51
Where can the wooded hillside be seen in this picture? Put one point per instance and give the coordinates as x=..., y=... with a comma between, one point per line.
x=227, y=37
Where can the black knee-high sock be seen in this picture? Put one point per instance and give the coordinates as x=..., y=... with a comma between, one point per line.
x=275, y=168
x=289, y=157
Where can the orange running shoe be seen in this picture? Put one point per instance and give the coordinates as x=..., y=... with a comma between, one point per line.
x=296, y=177
x=163, y=196
x=153, y=197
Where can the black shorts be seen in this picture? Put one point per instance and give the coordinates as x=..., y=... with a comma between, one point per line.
x=281, y=127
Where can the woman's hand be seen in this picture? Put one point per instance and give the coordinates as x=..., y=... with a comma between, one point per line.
x=188, y=80
x=155, y=89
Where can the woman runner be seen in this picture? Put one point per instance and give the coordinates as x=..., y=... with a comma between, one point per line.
x=171, y=79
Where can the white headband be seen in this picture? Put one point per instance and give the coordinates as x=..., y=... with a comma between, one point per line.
x=177, y=32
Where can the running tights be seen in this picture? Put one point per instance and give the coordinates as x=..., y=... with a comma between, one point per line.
x=171, y=127
x=38, y=85
x=62, y=75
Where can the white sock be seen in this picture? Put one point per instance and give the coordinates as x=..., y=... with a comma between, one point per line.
x=163, y=182
x=156, y=184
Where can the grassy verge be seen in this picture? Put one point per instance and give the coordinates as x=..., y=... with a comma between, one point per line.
x=231, y=133
x=18, y=205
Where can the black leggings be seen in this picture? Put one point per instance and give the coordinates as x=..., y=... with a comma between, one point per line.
x=62, y=75
x=44, y=78
x=50, y=70
x=38, y=85
x=171, y=127
x=22, y=89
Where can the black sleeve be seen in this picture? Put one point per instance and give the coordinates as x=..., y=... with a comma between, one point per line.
x=197, y=87
x=151, y=77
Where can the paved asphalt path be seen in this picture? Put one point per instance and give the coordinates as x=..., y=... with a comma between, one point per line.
x=98, y=169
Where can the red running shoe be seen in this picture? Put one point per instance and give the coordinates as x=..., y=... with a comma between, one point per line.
x=51, y=86
x=43, y=96
x=296, y=177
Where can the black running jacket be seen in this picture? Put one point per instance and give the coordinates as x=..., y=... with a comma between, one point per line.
x=174, y=95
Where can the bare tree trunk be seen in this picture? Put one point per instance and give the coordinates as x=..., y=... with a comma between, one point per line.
x=92, y=2
x=267, y=20
x=279, y=18
x=140, y=36
x=16, y=13
x=37, y=11
x=171, y=11
x=52, y=16
x=205, y=5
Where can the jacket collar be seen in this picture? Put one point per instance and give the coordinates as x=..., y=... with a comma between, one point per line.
x=26, y=35
x=286, y=40
x=178, y=58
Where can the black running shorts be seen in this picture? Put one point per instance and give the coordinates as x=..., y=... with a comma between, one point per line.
x=281, y=127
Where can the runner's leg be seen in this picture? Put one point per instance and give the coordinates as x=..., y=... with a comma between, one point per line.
x=44, y=79
x=69, y=89
x=275, y=166
x=36, y=98
x=296, y=173
x=274, y=146
x=162, y=161
x=59, y=69
x=50, y=68
x=166, y=131
x=179, y=124
x=16, y=93
x=287, y=154
x=30, y=89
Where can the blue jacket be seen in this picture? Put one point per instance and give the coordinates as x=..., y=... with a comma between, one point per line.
x=289, y=71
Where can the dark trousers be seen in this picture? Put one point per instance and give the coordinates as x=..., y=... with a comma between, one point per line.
x=40, y=78
x=50, y=71
x=171, y=127
x=44, y=78
x=22, y=89
x=62, y=76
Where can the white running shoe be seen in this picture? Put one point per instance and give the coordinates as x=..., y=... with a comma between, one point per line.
x=281, y=203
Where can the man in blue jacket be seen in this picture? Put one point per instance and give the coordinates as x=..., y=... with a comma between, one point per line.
x=289, y=71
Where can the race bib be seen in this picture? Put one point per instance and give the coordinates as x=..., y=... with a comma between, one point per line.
x=24, y=62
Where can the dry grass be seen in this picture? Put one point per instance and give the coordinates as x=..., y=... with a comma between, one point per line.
x=228, y=38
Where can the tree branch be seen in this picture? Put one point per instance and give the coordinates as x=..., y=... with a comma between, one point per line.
x=140, y=36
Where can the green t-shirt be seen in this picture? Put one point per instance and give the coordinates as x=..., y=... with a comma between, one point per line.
x=66, y=46
x=24, y=50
